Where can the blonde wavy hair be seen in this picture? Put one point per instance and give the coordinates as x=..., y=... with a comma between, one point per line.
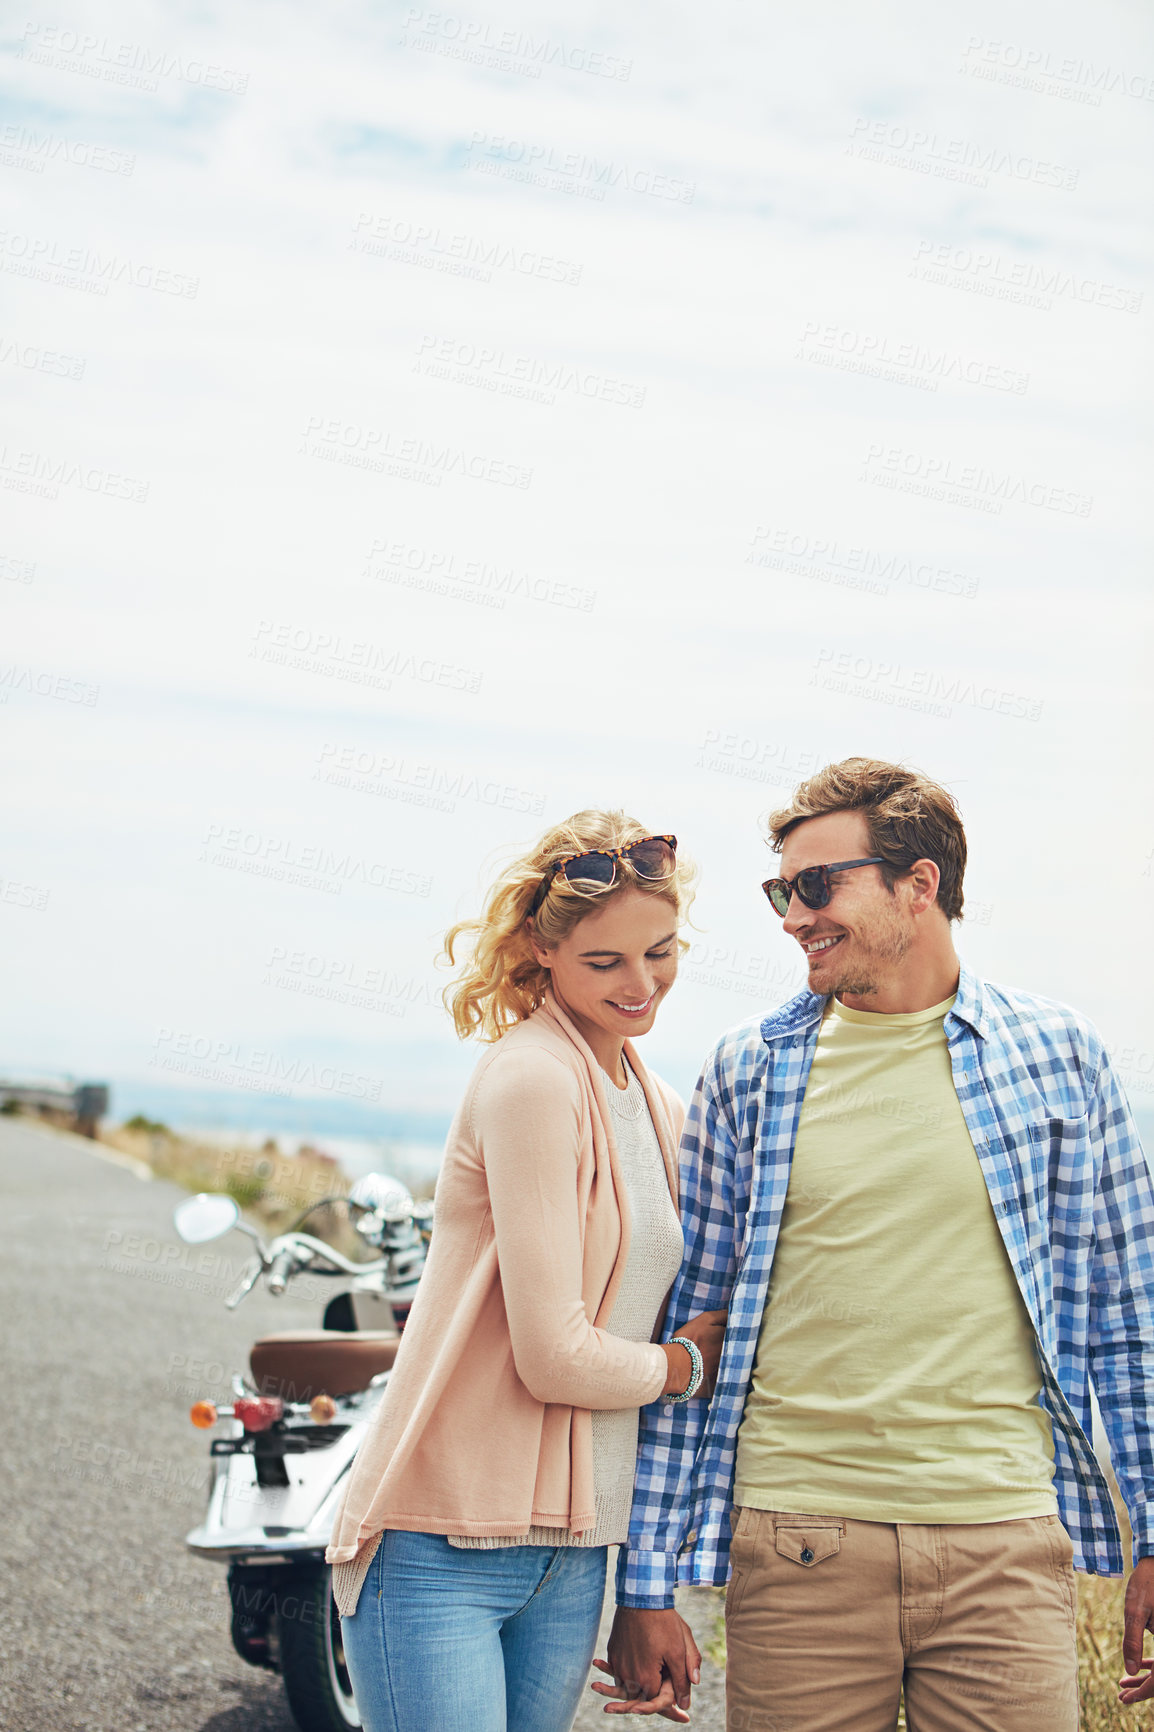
x=500, y=981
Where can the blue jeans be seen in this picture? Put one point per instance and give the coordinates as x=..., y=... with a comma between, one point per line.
x=450, y=1640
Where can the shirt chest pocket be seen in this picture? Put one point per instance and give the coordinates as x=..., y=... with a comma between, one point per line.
x=1063, y=1171
x=1046, y=1164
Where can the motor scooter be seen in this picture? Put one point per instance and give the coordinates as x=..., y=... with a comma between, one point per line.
x=284, y=1448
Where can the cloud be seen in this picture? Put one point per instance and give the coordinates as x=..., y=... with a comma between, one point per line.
x=505, y=416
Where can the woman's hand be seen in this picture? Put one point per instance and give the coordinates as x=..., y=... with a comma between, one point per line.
x=707, y=1332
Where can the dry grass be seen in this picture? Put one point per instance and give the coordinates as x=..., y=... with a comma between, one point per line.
x=273, y=1188
x=1100, y=1656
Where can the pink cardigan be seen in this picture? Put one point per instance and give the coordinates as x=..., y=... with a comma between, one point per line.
x=484, y=1428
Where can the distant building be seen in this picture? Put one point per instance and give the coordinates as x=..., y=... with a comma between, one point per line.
x=59, y=1099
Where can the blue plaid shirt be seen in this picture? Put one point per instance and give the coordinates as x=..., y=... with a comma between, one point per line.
x=1074, y=1201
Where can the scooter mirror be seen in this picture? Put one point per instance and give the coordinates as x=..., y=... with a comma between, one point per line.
x=204, y=1217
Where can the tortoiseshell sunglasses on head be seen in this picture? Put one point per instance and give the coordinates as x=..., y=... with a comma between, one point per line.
x=653, y=857
x=812, y=884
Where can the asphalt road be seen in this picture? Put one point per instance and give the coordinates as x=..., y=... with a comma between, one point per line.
x=112, y=1328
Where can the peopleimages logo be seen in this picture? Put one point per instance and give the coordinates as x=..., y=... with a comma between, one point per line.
x=383, y=451
x=1041, y=69
x=44, y=684
x=433, y=248
x=930, y=691
x=311, y=866
x=854, y=566
x=1023, y=282
x=957, y=159
x=905, y=362
x=33, y=359
x=531, y=377
x=24, y=147
x=571, y=171
x=504, y=50
x=42, y=473
x=355, y=660
x=346, y=981
x=752, y=760
x=233, y=1061
x=17, y=570
x=47, y=259
x=23, y=895
x=129, y=63
x=939, y=477
x=413, y=782
x=442, y=571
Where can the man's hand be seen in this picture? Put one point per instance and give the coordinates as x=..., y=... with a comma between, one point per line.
x=707, y=1332
x=1136, y=1687
x=653, y=1661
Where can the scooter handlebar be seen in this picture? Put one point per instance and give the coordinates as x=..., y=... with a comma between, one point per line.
x=299, y=1250
x=279, y=1271
x=248, y=1282
x=304, y=1247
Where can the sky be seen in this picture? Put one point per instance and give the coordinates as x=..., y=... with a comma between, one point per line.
x=418, y=426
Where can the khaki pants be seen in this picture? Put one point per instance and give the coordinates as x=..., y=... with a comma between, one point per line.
x=827, y=1618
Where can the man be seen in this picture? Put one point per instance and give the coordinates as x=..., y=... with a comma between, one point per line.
x=922, y=1199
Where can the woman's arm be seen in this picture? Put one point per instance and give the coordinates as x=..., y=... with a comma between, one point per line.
x=527, y=1122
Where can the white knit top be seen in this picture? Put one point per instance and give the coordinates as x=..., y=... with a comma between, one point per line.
x=655, y=1249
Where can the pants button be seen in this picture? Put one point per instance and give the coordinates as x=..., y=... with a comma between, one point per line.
x=806, y=1555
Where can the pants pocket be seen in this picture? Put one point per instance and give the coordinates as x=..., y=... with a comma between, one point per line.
x=741, y=1553
x=807, y=1543
x=1062, y=1563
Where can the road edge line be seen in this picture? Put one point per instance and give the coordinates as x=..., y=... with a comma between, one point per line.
x=140, y=1169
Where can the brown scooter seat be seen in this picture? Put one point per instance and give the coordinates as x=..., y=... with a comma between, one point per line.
x=305, y=1362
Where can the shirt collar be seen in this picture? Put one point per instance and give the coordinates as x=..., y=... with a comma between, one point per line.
x=797, y=1013
x=970, y=1005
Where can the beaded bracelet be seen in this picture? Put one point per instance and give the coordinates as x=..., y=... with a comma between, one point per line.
x=696, y=1375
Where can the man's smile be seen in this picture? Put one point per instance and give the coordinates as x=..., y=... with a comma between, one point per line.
x=815, y=946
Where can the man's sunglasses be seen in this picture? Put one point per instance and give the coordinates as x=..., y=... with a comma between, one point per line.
x=811, y=884
x=654, y=857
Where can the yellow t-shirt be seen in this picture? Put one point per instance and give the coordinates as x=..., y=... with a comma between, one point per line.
x=897, y=1377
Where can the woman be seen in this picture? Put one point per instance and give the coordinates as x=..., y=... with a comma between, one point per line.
x=469, y=1551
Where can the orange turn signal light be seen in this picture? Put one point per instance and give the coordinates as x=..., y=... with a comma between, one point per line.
x=322, y=1410
x=203, y=1414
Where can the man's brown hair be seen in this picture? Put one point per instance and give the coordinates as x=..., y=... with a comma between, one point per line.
x=910, y=818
